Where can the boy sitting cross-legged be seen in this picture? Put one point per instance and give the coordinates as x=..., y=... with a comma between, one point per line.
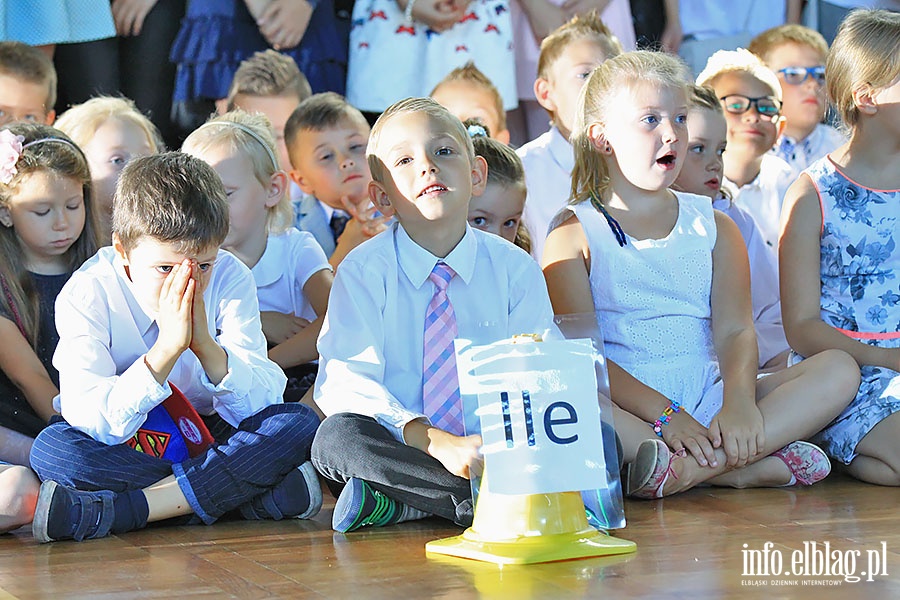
x=387, y=374
x=162, y=308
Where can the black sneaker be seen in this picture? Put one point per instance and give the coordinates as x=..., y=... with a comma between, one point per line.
x=297, y=496
x=66, y=514
x=360, y=505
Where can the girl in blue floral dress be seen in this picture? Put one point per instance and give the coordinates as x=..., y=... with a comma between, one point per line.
x=843, y=216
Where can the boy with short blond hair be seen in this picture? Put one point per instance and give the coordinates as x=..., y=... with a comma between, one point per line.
x=567, y=56
x=797, y=56
x=269, y=83
x=27, y=84
x=396, y=429
x=751, y=96
x=326, y=140
x=469, y=94
x=165, y=315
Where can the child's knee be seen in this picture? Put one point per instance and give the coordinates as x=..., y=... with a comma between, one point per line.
x=336, y=434
x=19, y=489
x=48, y=446
x=330, y=432
x=840, y=370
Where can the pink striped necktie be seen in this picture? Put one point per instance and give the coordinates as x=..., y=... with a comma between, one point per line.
x=440, y=386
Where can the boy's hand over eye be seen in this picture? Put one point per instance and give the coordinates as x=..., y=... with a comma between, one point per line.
x=211, y=355
x=201, y=338
x=174, y=322
x=175, y=305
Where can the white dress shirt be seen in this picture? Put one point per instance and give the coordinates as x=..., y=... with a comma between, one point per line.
x=823, y=140
x=290, y=259
x=764, y=294
x=371, y=342
x=548, y=161
x=763, y=196
x=106, y=388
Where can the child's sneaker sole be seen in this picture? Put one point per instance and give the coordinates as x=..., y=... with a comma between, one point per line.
x=40, y=523
x=349, y=505
x=315, y=490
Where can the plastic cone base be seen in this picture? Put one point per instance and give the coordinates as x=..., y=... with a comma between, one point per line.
x=525, y=550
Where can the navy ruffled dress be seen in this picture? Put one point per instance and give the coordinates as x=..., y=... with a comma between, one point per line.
x=216, y=35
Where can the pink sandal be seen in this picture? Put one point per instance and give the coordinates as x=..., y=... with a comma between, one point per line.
x=807, y=462
x=651, y=468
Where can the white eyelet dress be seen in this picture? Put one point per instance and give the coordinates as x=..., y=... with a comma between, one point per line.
x=652, y=299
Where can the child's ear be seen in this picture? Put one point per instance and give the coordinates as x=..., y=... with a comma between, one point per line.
x=864, y=99
x=277, y=188
x=379, y=197
x=502, y=137
x=598, y=139
x=302, y=183
x=5, y=218
x=50, y=118
x=479, y=175
x=119, y=248
x=542, y=94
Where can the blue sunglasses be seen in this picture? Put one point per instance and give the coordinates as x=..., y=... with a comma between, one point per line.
x=797, y=75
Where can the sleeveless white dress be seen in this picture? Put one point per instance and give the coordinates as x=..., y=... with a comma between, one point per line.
x=652, y=299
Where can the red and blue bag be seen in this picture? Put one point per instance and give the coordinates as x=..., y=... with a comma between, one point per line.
x=173, y=431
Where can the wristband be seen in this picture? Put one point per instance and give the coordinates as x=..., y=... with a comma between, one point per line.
x=407, y=14
x=666, y=416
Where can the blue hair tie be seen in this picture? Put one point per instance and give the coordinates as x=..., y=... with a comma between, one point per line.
x=476, y=131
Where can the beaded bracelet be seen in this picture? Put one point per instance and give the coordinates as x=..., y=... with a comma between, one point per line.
x=407, y=14
x=673, y=407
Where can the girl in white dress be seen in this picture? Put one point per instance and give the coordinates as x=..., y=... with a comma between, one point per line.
x=292, y=274
x=668, y=278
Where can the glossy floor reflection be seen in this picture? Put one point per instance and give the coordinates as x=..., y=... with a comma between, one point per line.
x=691, y=546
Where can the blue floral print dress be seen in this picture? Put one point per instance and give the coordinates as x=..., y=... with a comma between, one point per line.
x=860, y=279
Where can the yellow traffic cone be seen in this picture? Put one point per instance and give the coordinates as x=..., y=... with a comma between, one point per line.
x=529, y=528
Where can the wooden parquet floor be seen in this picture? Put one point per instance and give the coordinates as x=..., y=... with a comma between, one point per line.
x=690, y=546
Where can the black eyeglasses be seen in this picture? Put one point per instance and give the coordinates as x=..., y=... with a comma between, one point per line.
x=766, y=106
x=797, y=75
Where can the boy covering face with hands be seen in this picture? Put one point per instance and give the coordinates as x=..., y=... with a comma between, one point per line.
x=164, y=313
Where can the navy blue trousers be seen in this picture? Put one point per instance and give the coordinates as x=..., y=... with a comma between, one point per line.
x=243, y=463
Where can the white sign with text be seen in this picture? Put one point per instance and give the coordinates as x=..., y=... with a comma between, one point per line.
x=540, y=420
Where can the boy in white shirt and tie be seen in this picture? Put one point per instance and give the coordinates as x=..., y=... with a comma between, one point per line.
x=162, y=308
x=387, y=375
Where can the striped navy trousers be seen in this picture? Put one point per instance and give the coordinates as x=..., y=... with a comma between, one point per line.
x=242, y=464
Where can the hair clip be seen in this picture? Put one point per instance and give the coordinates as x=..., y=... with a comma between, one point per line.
x=476, y=131
x=10, y=150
